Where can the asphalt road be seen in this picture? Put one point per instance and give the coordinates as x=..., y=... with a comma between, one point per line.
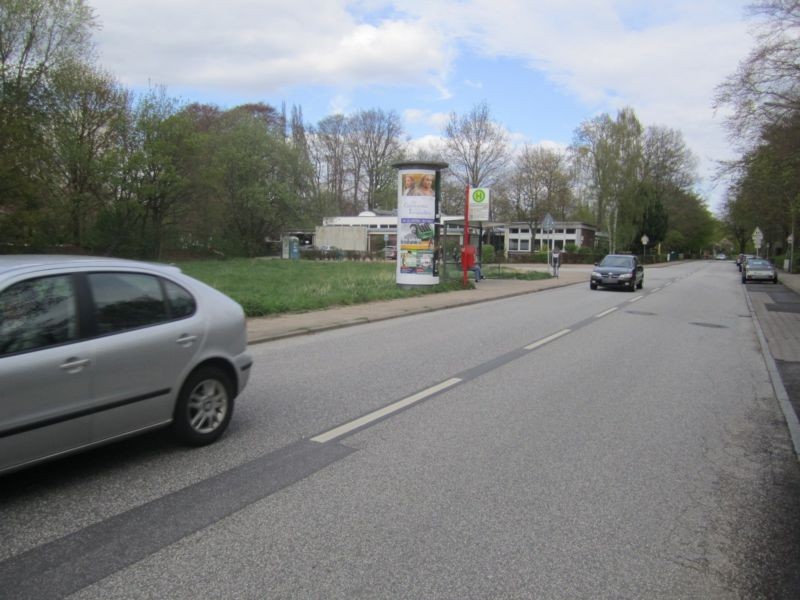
x=565, y=444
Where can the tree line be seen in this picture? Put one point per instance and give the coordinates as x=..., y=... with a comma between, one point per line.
x=763, y=96
x=87, y=164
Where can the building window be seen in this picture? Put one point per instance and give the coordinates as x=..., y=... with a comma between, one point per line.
x=525, y=245
x=514, y=230
x=571, y=231
x=525, y=230
x=513, y=245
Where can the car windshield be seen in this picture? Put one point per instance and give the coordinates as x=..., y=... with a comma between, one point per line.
x=758, y=262
x=616, y=261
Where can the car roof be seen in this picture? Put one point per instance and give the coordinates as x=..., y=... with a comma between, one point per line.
x=31, y=262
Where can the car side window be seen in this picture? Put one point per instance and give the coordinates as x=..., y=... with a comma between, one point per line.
x=127, y=301
x=181, y=302
x=37, y=313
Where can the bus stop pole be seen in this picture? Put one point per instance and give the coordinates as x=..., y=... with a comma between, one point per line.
x=466, y=236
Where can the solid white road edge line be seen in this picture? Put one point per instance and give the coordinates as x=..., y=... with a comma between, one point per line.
x=547, y=340
x=386, y=410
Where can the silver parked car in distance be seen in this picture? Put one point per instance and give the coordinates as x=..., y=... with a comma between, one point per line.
x=93, y=350
x=758, y=269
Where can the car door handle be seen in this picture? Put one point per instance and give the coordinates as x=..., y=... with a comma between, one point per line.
x=74, y=365
x=186, y=340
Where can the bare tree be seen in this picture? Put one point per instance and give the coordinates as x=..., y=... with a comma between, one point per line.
x=765, y=89
x=476, y=146
x=331, y=136
x=540, y=183
x=375, y=143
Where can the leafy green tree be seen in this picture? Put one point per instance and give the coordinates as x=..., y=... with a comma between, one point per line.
x=85, y=108
x=256, y=175
x=654, y=219
x=164, y=144
x=609, y=155
x=37, y=37
x=691, y=224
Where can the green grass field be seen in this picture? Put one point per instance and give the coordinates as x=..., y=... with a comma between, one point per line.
x=269, y=287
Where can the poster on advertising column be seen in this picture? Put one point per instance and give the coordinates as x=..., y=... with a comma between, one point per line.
x=416, y=227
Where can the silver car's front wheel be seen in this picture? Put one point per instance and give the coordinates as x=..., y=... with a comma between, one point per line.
x=204, y=407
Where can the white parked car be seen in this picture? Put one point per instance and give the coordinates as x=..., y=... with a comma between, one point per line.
x=93, y=350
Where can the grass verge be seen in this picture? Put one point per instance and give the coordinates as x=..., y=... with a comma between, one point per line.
x=269, y=287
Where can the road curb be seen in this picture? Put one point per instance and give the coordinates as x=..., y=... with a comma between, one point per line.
x=781, y=395
x=261, y=339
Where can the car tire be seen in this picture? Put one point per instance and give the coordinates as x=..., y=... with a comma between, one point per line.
x=632, y=288
x=744, y=280
x=204, y=407
x=593, y=285
x=641, y=284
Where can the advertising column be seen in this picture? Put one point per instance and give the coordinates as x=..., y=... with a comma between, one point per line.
x=416, y=227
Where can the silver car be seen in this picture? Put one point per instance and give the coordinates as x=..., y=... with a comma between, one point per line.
x=758, y=269
x=93, y=350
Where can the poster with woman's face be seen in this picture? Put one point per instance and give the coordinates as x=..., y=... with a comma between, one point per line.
x=418, y=184
x=416, y=218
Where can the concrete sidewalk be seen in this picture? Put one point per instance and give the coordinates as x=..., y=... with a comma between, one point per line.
x=288, y=325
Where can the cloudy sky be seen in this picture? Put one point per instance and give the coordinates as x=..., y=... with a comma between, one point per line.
x=543, y=66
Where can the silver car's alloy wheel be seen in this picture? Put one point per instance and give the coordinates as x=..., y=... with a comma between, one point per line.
x=204, y=407
x=207, y=406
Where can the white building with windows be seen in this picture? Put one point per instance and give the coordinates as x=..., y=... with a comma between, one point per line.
x=517, y=236
x=521, y=238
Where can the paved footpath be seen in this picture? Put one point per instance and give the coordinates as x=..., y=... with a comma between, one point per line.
x=775, y=308
x=281, y=326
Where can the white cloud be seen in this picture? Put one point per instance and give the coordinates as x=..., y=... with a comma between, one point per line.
x=428, y=144
x=264, y=46
x=433, y=120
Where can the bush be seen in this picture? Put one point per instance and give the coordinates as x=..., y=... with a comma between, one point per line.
x=487, y=255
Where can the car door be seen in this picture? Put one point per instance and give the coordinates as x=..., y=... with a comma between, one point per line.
x=145, y=343
x=45, y=370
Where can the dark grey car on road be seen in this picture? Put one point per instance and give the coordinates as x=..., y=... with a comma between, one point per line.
x=618, y=270
x=93, y=350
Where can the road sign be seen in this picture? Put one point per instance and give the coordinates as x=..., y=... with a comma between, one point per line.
x=645, y=240
x=758, y=237
x=548, y=222
x=479, y=204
